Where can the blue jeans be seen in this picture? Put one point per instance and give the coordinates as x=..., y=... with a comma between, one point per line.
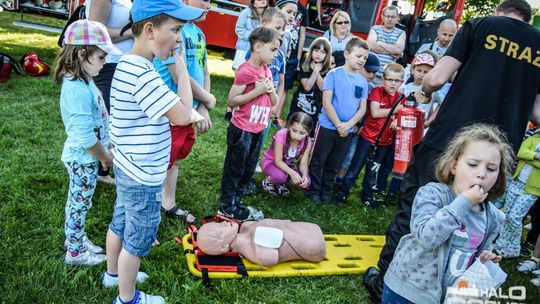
x=350, y=153
x=386, y=168
x=136, y=215
x=391, y=297
x=359, y=160
x=82, y=184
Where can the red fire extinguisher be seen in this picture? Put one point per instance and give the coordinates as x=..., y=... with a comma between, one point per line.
x=410, y=130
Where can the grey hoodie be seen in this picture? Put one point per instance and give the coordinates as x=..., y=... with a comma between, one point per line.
x=419, y=263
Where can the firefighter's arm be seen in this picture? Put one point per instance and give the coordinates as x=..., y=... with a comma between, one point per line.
x=329, y=108
x=437, y=77
x=237, y=97
x=535, y=115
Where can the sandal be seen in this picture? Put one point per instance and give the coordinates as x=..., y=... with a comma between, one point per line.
x=183, y=216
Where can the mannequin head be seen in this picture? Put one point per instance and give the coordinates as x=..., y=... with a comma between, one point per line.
x=215, y=238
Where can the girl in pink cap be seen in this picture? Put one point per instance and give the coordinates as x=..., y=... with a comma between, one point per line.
x=86, y=43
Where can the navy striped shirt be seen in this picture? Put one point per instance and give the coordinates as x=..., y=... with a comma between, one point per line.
x=140, y=131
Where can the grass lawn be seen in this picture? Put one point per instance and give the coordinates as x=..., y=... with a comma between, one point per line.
x=33, y=186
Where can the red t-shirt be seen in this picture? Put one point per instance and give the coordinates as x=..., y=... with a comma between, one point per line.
x=254, y=115
x=372, y=126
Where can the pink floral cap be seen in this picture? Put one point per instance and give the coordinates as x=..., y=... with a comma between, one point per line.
x=423, y=58
x=86, y=32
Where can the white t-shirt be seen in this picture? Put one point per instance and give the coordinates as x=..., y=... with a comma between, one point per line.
x=140, y=131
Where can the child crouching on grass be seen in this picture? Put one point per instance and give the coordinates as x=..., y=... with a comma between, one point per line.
x=86, y=123
x=288, y=156
x=254, y=95
x=453, y=221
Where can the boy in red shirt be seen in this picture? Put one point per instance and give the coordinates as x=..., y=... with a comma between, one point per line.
x=380, y=100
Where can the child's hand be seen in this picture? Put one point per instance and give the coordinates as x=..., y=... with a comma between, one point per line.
x=211, y=101
x=260, y=87
x=304, y=183
x=316, y=67
x=269, y=85
x=342, y=129
x=487, y=255
x=106, y=164
x=296, y=178
x=393, y=125
x=475, y=194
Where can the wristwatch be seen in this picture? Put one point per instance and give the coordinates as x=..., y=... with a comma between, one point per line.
x=427, y=95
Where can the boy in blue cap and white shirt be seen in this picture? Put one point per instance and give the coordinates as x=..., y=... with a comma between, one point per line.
x=141, y=108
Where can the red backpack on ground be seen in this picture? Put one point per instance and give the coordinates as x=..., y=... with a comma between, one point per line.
x=7, y=64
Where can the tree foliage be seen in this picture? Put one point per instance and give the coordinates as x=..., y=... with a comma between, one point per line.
x=472, y=8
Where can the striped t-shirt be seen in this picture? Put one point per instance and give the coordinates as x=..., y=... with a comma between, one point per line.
x=139, y=129
x=386, y=37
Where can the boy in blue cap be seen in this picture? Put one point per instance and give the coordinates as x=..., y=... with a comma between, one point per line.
x=141, y=108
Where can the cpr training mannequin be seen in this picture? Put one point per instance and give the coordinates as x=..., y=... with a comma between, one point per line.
x=267, y=242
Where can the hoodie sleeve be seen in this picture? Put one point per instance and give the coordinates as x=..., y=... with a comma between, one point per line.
x=433, y=220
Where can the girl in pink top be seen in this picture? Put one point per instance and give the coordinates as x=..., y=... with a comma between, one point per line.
x=288, y=156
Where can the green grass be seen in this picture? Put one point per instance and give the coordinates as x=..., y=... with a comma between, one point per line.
x=33, y=185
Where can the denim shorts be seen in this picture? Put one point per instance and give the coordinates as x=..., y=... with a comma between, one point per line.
x=136, y=214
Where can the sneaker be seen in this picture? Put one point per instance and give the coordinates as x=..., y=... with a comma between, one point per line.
x=142, y=298
x=326, y=198
x=527, y=266
x=241, y=213
x=90, y=246
x=536, y=272
x=373, y=283
x=268, y=187
x=536, y=282
x=86, y=258
x=282, y=190
x=371, y=203
x=314, y=198
x=112, y=281
x=340, y=198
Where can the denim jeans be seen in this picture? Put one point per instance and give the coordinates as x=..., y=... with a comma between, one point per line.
x=136, y=215
x=386, y=168
x=359, y=160
x=350, y=152
x=391, y=297
x=243, y=149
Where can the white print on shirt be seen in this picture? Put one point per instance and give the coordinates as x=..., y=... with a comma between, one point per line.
x=458, y=264
x=259, y=114
x=305, y=103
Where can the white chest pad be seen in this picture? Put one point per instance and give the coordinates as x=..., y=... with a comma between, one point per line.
x=268, y=237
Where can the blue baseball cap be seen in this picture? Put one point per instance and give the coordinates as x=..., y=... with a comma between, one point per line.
x=144, y=9
x=372, y=63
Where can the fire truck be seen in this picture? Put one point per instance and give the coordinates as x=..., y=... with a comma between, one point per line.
x=221, y=21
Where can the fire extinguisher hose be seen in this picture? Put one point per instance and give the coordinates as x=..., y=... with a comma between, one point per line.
x=373, y=147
